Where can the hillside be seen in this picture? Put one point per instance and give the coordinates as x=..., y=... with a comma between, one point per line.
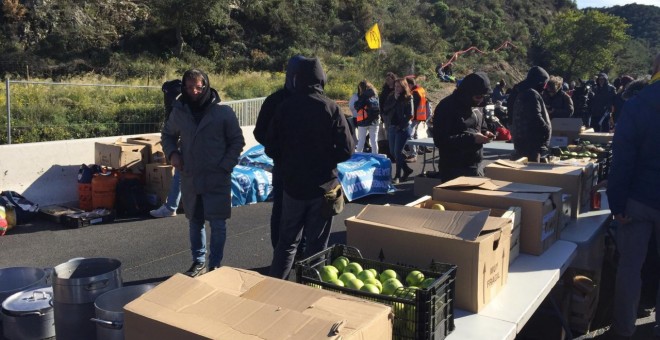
x=644, y=22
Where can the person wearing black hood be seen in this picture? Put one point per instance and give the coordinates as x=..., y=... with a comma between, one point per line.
x=459, y=129
x=203, y=140
x=531, y=123
x=581, y=97
x=308, y=137
x=602, y=104
x=264, y=120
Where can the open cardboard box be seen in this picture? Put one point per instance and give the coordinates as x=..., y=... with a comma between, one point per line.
x=230, y=303
x=597, y=137
x=120, y=155
x=541, y=206
x=512, y=213
x=154, y=148
x=576, y=181
x=565, y=130
x=474, y=241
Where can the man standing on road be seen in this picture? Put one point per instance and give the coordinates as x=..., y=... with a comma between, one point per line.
x=633, y=192
x=211, y=141
x=602, y=103
x=531, y=123
x=308, y=137
x=459, y=129
x=264, y=121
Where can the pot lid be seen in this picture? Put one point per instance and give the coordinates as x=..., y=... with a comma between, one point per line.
x=35, y=300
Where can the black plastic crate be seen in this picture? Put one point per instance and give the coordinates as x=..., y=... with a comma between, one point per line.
x=429, y=314
x=85, y=219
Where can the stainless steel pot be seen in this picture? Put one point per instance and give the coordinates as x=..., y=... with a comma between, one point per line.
x=76, y=285
x=29, y=315
x=18, y=279
x=110, y=310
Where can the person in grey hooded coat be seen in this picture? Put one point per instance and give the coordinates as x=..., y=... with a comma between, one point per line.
x=531, y=123
x=203, y=140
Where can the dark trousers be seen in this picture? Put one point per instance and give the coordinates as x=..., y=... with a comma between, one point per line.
x=276, y=213
x=299, y=217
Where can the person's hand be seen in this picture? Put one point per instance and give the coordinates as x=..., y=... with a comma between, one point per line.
x=490, y=135
x=622, y=219
x=176, y=161
x=481, y=139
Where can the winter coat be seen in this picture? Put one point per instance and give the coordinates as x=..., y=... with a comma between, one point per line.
x=635, y=168
x=368, y=101
x=531, y=123
x=455, y=122
x=559, y=106
x=402, y=112
x=581, y=99
x=603, y=98
x=309, y=136
x=267, y=112
x=209, y=151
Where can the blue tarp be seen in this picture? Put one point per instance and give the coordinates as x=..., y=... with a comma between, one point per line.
x=362, y=175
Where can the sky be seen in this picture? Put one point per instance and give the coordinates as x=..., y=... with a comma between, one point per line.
x=609, y=3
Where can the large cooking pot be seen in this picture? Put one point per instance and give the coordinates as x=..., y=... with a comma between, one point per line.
x=110, y=310
x=17, y=279
x=76, y=285
x=29, y=315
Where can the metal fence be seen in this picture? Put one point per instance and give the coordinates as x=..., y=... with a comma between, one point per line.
x=129, y=110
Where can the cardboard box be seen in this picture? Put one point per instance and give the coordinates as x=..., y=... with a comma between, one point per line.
x=424, y=185
x=512, y=213
x=230, y=303
x=568, y=128
x=540, y=215
x=597, y=137
x=573, y=179
x=120, y=155
x=154, y=148
x=159, y=179
x=477, y=243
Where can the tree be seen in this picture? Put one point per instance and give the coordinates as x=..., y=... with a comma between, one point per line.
x=583, y=43
x=187, y=18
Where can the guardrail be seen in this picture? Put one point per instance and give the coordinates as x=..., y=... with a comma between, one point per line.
x=149, y=119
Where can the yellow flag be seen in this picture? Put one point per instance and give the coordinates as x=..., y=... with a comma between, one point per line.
x=373, y=37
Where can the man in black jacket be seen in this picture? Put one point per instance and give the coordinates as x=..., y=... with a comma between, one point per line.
x=308, y=137
x=531, y=123
x=459, y=129
x=602, y=103
x=264, y=120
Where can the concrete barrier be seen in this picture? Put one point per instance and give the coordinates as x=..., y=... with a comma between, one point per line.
x=47, y=173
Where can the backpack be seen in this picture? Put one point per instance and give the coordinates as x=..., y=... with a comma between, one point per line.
x=131, y=198
x=171, y=90
x=25, y=209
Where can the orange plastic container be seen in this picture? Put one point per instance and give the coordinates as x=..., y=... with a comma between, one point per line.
x=104, y=188
x=85, y=196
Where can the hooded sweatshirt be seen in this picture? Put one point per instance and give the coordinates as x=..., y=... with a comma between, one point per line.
x=635, y=168
x=271, y=102
x=309, y=136
x=603, y=98
x=208, y=96
x=531, y=123
x=455, y=122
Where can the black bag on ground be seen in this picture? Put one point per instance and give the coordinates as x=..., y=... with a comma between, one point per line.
x=131, y=198
x=25, y=209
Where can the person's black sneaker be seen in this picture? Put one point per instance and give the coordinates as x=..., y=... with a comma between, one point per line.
x=197, y=268
x=406, y=173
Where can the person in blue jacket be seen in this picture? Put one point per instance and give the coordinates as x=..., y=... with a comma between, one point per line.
x=633, y=192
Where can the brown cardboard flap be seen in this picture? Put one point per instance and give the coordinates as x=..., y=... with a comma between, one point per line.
x=463, y=224
x=566, y=124
x=510, y=164
x=232, y=280
x=485, y=183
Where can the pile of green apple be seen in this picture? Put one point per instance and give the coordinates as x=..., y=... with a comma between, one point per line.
x=345, y=273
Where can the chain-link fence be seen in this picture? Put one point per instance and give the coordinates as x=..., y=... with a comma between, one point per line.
x=47, y=111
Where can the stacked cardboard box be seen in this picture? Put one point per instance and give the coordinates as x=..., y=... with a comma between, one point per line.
x=512, y=213
x=121, y=155
x=565, y=131
x=158, y=181
x=154, y=148
x=541, y=206
x=230, y=303
x=477, y=243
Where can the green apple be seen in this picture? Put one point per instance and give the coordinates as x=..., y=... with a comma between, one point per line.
x=375, y=282
x=368, y=287
x=414, y=278
x=365, y=274
x=355, y=283
x=337, y=282
x=427, y=282
x=340, y=263
x=387, y=274
x=333, y=268
x=346, y=277
x=328, y=273
x=373, y=271
x=353, y=267
x=390, y=286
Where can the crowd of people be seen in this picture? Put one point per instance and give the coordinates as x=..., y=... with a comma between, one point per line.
x=307, y=135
